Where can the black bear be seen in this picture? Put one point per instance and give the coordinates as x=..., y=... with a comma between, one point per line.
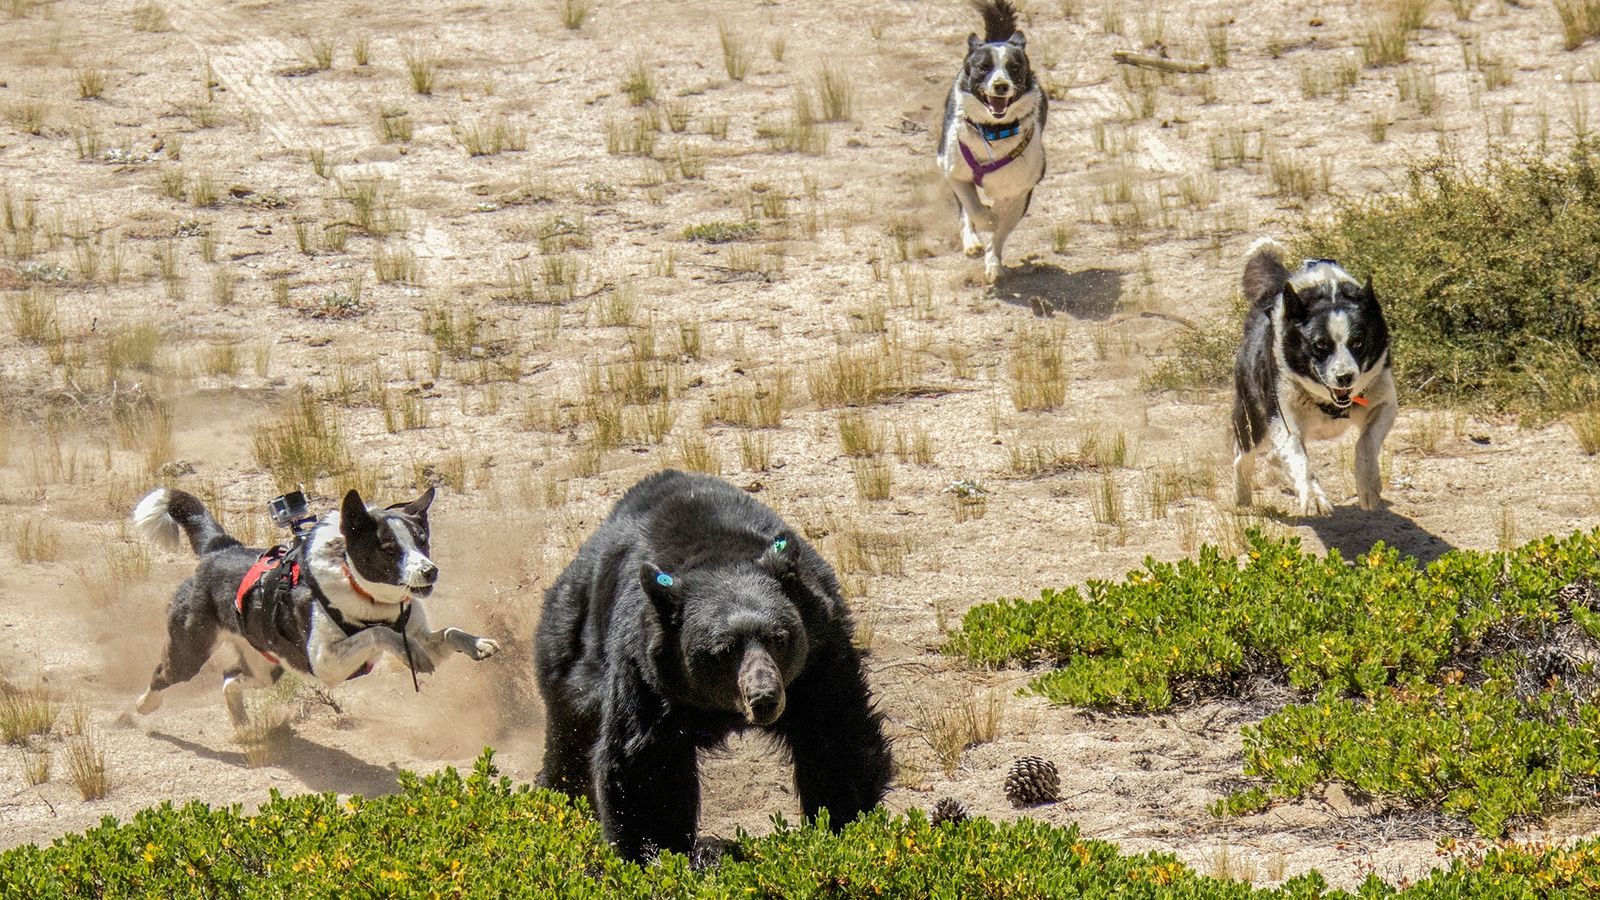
x=694, y=612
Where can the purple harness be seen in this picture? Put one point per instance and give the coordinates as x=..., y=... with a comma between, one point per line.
x=980, y=169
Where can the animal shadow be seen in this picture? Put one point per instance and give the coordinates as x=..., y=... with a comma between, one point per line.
x=319, y=768
x=1048, y=289
x=1353, y=531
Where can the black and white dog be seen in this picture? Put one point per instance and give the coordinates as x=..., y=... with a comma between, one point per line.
x=328, y=608
x=1314, y=360
x=993, y=134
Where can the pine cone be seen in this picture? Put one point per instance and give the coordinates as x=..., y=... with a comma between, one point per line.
x=1578, y=593
x=948, y=810
x=1033, y=780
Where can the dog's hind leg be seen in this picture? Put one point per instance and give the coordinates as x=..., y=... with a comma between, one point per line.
x=252, y=671
x=1006, y=217
x=191, y=636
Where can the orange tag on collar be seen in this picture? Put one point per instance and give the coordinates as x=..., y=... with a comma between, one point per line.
x=1358, y=400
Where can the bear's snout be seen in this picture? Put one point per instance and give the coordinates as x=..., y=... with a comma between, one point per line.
x=760, y=688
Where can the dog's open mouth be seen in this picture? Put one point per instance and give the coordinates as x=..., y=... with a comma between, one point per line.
x=1341, y=396
x=997, y=105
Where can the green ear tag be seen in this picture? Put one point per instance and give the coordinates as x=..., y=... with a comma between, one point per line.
x=780, y=545
x=664, y=580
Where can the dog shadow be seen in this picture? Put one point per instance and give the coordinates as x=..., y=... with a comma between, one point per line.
x=1353, y=531
x=320, y=768
x=1048, y=289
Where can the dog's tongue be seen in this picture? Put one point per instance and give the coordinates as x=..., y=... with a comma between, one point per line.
x=1341, y=396
x=998, y=105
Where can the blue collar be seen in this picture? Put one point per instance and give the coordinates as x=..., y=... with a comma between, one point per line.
x=997, y=132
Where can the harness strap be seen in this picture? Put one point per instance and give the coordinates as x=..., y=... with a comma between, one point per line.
x=981, y=169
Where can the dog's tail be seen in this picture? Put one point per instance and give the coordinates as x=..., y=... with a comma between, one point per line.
x=1264, y=272
x=999, y=19
x=164, y=513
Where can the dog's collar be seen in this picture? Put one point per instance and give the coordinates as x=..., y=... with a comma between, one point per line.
x=362, y=592
x=998, y=131
x=1335, y=411
x=981, y=169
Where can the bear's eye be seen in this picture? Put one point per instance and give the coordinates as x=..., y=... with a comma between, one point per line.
x=779, y=638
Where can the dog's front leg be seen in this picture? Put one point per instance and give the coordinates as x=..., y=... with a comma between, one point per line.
x=1291, y=451
x=436, y=643
x=974, y=215
x=1244, y=476
x=335, y=657
x=1369, y=477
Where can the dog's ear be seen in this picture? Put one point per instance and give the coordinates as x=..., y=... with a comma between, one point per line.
x=662, y=589
x=418, y=508
x=1294, y=308
x=1018, y=41
x=973, y=43
x=353, y=515
x=1368, y=295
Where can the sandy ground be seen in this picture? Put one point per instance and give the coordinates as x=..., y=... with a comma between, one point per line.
x=867, y=244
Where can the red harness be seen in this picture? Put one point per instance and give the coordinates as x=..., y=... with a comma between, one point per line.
x=267, y=562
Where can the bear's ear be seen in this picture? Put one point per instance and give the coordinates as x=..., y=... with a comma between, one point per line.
x=662, y=589
x=781, y=553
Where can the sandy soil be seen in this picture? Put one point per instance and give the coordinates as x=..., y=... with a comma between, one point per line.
x=503, y=531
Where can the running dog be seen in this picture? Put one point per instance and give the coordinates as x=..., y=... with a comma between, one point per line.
x=327, y=607
x=1314, y=360
x=992, y=140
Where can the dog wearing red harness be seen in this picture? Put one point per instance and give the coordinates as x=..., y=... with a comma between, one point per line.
x=991, y=146
x=327, y=606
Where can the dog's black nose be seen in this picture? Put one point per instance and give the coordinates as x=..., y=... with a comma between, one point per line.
x=430, y=573
x=1002, y=89
x=1345, y=380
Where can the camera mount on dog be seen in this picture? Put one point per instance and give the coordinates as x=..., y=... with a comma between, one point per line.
x=292, y=511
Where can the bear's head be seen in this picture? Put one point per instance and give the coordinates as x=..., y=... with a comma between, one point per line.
x=731, y=624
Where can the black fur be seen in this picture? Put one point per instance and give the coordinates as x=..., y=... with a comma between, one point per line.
x=747, y=629
x=999, y=19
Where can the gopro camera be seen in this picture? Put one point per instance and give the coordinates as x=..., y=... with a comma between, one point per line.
x=290, y=511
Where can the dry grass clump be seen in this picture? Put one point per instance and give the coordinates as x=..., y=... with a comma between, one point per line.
x=736, y=51
x=1586, y=428
x=968, y=721
x=26, y=711
x=151, y=16
x=573, y=13
x=489, y=138
x=696, y=454
x=86, y=765
x=870, y=373
x=859, y=436
x=35, y=541
x=757, y=405
x=1038, y=368
x=422, y=67
x=302, y=445
x=1389, y=33
x=1580, y=21
x=874, y=477
x=268, y=726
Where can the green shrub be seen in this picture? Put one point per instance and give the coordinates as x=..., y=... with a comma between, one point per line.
x=1490, y=277
x=479, y=836
x=1397, y=638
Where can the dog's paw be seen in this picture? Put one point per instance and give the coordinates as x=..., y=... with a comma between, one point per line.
x=972, y=247
x=1369, y=500
x=1314, y=503
x=992, y=269
x=483, y=648
x=149, y=702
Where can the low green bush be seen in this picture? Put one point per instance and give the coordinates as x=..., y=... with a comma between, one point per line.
x=479, y=836
x=1490, y=277
x=1427, y=681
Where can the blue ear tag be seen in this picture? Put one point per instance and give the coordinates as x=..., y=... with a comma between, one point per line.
x=664, y=580
x=780, y=545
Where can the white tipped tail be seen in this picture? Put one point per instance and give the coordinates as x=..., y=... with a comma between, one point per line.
x=153, y=520
x=1267, y=245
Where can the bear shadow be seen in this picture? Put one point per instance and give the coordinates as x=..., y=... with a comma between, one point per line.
x=321, y=769
x=1047, y=289
x=1353, y=531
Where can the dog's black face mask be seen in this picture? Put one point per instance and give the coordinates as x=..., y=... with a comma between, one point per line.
x=1334, y=334
x=996, y=73
x=392, y=546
